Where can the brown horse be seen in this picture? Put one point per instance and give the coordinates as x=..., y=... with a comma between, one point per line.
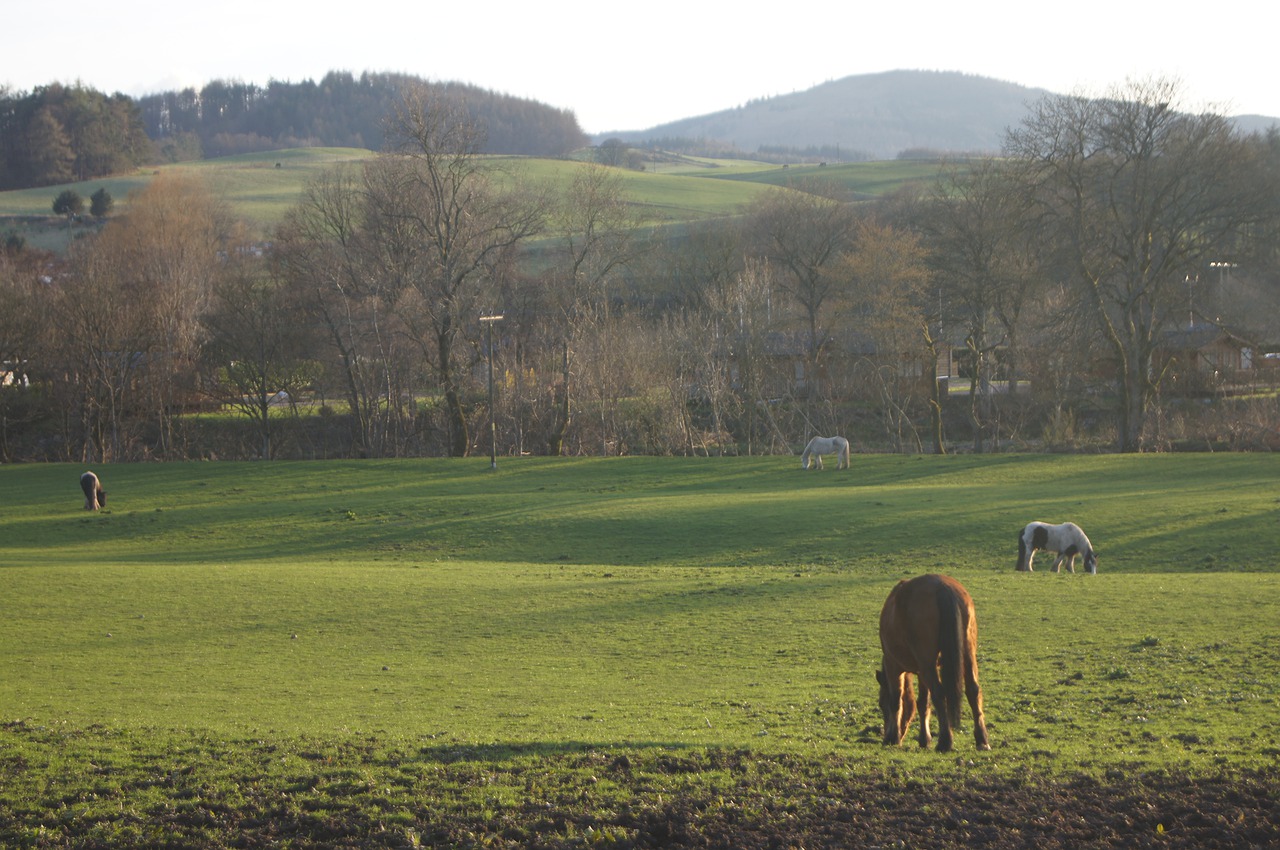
x=928, y=628
x=94, y=496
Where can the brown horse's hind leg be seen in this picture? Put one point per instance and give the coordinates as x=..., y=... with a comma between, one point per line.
x=946, y=739
x=931, y=694
x=974, y=693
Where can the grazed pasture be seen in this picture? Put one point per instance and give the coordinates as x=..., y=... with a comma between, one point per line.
x=643, y=652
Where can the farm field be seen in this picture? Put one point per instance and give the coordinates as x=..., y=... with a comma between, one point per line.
x=630, y=652
x=260, y=188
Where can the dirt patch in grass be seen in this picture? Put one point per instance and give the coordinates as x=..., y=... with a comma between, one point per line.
x=1163, y=812
x=263, y=794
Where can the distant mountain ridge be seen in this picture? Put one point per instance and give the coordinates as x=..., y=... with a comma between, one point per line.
x=869, y=117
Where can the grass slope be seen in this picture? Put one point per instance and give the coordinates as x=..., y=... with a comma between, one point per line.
x=371, y=639
x=860, y=179
x=261, y=187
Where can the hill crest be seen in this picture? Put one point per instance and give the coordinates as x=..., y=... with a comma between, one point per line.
x=868, y=117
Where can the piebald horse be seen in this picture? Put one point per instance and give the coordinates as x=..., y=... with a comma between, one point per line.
x=928, y=628
x=820, y=446
x=1066, y=539
x=94, y=496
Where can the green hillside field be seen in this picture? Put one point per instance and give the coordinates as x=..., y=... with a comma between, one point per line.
x=573, y=651
x=261, y=187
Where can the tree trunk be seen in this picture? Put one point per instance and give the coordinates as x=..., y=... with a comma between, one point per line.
x=459, y=436
x=1133, y=410
x=560, y=404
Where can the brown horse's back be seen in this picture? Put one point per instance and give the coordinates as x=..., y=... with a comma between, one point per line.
x=918, y=612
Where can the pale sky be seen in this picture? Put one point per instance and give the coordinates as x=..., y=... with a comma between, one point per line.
x=630, y=66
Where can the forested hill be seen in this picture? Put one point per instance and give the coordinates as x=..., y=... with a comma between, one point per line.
x=56, y=134
x=341, y=110
x=896, y=114
x=864, y=117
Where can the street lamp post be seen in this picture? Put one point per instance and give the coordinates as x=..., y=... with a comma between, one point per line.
x=488, y=321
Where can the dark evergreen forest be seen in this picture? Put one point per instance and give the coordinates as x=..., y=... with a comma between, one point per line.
x=57, y=134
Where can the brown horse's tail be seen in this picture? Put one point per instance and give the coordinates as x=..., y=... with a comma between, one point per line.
x=951, y=648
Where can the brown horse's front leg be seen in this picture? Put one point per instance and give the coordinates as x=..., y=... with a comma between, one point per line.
x=922, y=702
x=908, y=711
x=897, y=704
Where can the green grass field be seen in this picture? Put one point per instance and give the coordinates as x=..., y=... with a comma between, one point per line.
x=400, y=629
x=261, y=187
x=861, y=179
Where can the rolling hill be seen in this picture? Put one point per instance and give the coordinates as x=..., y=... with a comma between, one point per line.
x=872, y=117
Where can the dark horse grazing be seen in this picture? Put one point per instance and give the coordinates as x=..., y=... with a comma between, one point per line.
x=928, y=628
x=94, y=496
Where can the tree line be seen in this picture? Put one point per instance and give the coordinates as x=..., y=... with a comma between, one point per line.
x=59, y=134
x=62, y=134
x=341, y=110
x=1041, y=281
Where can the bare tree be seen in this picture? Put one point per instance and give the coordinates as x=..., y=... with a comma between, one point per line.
x=323, y=253
x=103, y=327
x=803, y=234
x=23, y=341
x=1134, y=195
x=129, y=313
x=983, y=274
x=254, y=348
x=700, y=264
x=597, y=239
x=170, y=243
x=453, y=227
x=746, y=306
x=891, y=302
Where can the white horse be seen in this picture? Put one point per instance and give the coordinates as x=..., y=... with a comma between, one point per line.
x=1066, y=539
x=820, y=446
